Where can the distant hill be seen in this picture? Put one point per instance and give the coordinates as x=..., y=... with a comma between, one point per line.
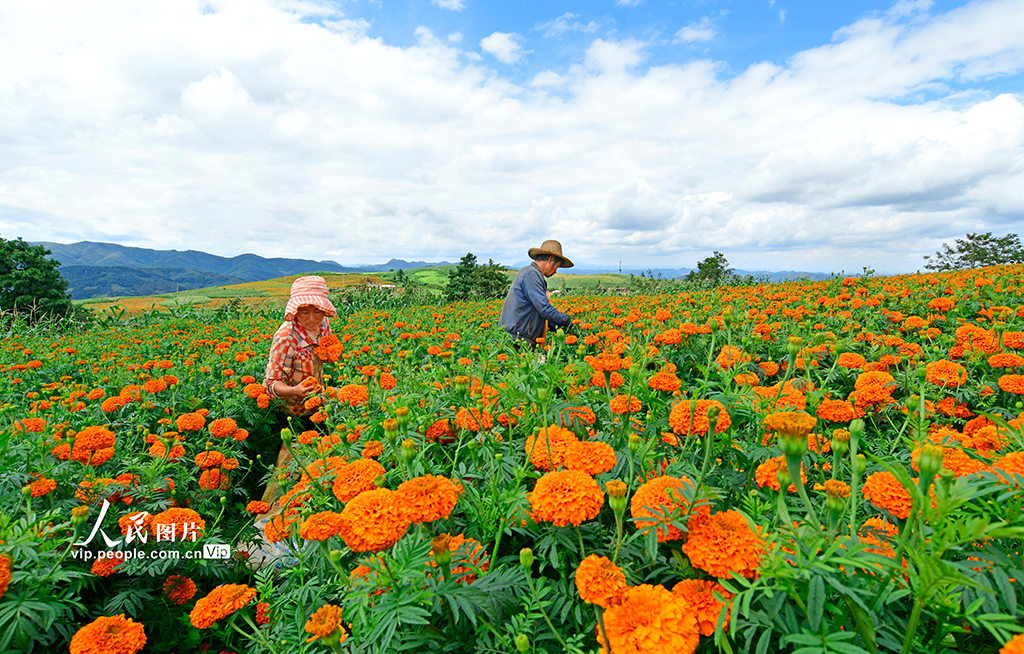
x=672, y=273
x=122, y=281
x=103, y=269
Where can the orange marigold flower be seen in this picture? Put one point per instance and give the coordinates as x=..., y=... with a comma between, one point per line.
x=262, y=613
x=354, y=394
x=722, y=544
x=729, y=356
x=664, y=381
x=880, y=535
x=280, y=526
x=257, y=507
x=884, y=491
x=650, y=619
x=948, y=374
x=700, y=595
x=1014, y=646
x=354, y=478
x=209, y=459
x=625, y=404
x=373, y=449
x=698, y=424
x=220, y=603
x=614, y=380
x=109, y=635
x=214, y=479
x=851, y=360
x=591, y=457
x=1012, y=384
x=1006, y=360
x=42, y=486
x=95, y=394
x=576, y=415
x=325, y=622
x=836, y=411
x=34, y=425
x=664, y=495
x=600, y=581
x=746, y=379
x=468, y=556
x=330, y=348
x=179, y=589
x=253, y=391
x=190, y=422
x=373, y=521
x=320, y=526
x=223, y=427
x=427, y=498
x=566, y=497
x=767, y=474
x=769, y=368
x=108, y=564
x=112, y=404
x=94, y=445
x=387, y=381
x=796, y=424
x=5, y=573
x=441, y=432
x=555, y=438
x=955, y=459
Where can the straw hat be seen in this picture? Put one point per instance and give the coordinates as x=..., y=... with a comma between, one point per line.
x=550, y=247
x=311, y=290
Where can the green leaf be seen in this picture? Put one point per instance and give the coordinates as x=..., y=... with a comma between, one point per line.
x=764, y=641
x=815, y=602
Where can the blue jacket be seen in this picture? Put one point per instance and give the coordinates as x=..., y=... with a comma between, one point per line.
x=526, y=306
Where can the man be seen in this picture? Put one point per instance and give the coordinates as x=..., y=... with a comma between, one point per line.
x=526, y=306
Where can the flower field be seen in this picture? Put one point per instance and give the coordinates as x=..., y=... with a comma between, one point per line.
x=807, y=467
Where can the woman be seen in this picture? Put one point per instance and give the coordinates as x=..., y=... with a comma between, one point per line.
x=291, y=360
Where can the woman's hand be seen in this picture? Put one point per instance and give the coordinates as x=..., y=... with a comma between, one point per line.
x=299, y=390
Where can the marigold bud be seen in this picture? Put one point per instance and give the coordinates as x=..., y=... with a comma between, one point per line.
x=286, y=436
x=929, y=462
x=408, y=450
x=440, y=547
x=526, y=558
x=862, y=464
x=542, y=394
x=616, y=495
x=634, y=443
x=523, y=643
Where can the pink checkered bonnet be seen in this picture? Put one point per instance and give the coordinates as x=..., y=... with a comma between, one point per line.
x=310, y=290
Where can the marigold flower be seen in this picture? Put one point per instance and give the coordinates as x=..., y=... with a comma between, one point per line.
x=257, y=507
x=621, y=404
x=722, y=544
x=836, y=411
x=955, y=459
x=94, y=445
x=729, y=356
x=441, y=432
x=354, y=394
x=209, y=459
x=372, y=449
x=190, y=422
x=795, y=424
x=591, y=457
x=330, y=348
x=387, y=381
x=109, y=635
x=1012, y=463
x=767, y=474
x=427, y=498
x=34, y=425
x=884, y=491
x=179, y=589
x=5, y=573
x=1012, y=384
x=664, y=381
x=566, y=497
x=320, y=526
x=467, y=556
x=851, y=361
x=325, y=622
x=214, y=479
x=223, y=427
x=372, y=521
x=576, y=415
x=649, y=620
x=474, y=419
x=354, y=478
x=108, y=564
x=220, y=603
x=1014, y=645
x=880, y=535
x=683, y=424
x=663, y=494
x=948, y=374
x=600, y=581
x=558, y=439
x=700, y=595
x=42, y=486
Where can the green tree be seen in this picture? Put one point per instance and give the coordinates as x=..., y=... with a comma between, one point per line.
x=714, y=270
x=977, y=251
x=30, y=283
x=468, y=280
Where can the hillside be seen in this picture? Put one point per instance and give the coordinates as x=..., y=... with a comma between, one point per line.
x=121, y=281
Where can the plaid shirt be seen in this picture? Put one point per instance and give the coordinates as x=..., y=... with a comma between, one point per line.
x=292, y=360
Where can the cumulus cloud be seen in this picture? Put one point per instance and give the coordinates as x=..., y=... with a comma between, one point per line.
x=506, y=47
x=257, y=127
x=698, y=31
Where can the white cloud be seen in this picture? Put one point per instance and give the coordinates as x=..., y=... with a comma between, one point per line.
x=506, y=47
x=782, y=17
x=699, y=31
x=565, y=23
x=628, y=3
x=158, y=125
x=451, y=5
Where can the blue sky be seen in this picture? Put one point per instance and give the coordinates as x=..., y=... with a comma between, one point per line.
x=788, y=135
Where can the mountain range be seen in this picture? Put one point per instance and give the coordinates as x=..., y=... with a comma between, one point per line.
x=107, y=269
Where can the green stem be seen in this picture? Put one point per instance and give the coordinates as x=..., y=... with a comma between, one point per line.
x=915, y=615
x=793, y=464
x=583, y=548
x=600, y=623
x=533, y=590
